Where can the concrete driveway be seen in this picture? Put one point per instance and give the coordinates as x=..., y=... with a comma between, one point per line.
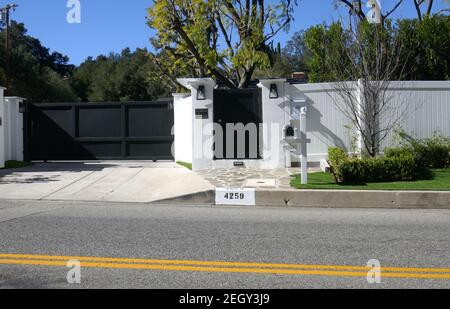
x=124, y=181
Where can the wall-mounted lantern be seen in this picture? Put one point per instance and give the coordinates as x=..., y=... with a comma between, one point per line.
x=273, y=91
x=201, y=93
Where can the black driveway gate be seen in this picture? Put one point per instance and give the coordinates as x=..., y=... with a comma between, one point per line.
x=105, y=131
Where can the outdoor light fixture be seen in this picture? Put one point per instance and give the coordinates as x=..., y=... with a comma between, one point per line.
x=273, y=91
x=201, y=94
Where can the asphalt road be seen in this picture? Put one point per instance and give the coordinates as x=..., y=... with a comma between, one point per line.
x=299, y=237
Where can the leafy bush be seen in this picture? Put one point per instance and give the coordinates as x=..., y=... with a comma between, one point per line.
x=398, y=152
x=336, y=156
x=433, y=152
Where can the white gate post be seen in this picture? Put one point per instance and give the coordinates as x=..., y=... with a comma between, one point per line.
x=14, y=119
x=2, y=129
x=202, y=96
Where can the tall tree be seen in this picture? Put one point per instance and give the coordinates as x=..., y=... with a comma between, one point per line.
x=363, y=61
x=35, y=72
x=225, y=39
x=128, y=76
x=429, y=47
x=292, y=58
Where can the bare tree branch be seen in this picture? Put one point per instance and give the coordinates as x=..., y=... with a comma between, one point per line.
x=370, y=60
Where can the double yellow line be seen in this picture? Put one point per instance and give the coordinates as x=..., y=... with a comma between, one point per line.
x=224, y=267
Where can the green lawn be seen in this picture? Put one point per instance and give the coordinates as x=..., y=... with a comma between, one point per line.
x=186, y=165
x=16, y=164
x=441, y=182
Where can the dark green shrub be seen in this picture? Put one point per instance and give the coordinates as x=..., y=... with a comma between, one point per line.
x=16, y=164
x=382, y=169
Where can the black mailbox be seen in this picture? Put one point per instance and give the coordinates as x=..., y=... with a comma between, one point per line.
x=289, y=131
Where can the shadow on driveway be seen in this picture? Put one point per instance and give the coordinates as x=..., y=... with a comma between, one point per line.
x=48, y=172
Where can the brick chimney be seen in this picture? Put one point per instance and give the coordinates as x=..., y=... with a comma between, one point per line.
x=299, y=75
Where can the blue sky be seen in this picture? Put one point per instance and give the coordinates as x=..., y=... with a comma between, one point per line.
x=111, y=25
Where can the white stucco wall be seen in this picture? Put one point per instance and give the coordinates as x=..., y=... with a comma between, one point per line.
x=2, y=130
x=202, y=129
x=14, y=129
x=276, y=115
x=203, y=147
x=183, y=146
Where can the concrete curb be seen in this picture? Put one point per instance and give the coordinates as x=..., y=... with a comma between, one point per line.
x=354, y=199
x=200, y=198
x=330, y=199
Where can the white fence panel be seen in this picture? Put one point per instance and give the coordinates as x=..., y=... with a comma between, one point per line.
x=426, y=109
x=327, y=125
x=426, y=104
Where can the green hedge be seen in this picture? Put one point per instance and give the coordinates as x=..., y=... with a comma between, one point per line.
x=377, y=169
x=383, y=169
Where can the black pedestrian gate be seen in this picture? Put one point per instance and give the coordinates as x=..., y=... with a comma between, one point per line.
x=238, y=106
x=99, y=131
